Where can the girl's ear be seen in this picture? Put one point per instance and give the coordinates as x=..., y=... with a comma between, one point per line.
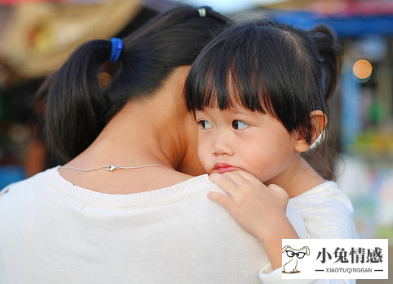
x=319, y=121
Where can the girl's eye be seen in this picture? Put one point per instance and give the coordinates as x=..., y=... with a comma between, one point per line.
x=204, y=124
x=237, y=124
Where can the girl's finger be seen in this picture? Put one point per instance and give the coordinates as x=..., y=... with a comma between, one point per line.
x=276, y=188
x=225, y=182
x=279, y=191
x=220, y=198
x=246, y=175
x=236, y=178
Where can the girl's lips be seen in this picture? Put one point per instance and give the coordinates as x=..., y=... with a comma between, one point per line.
x=223, y=168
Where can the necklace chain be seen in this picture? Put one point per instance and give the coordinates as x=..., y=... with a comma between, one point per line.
x=111, y=168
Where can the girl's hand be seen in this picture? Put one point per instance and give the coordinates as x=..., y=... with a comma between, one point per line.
x=257, y=208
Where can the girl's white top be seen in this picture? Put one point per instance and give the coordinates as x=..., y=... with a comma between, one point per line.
x=52, y=231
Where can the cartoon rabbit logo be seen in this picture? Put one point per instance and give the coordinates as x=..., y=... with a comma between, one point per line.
x=291, y=266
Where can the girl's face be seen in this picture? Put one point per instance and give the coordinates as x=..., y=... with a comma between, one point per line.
x=238, y=138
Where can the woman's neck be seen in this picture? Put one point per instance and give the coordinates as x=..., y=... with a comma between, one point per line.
x=126, y=143
x=135, y=137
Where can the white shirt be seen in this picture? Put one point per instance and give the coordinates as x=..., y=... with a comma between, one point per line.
x=54, y=232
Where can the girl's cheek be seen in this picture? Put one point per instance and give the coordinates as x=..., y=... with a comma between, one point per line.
x=203, y=154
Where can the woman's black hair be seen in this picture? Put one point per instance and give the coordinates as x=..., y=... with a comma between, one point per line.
x=80, y=102
x=273, y=68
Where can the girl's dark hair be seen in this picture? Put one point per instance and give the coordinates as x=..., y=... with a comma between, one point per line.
x=80, y=102
x=273, y=68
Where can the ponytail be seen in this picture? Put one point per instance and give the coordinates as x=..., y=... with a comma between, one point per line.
x=323, y=157
x=75, y=103
x=327, y=46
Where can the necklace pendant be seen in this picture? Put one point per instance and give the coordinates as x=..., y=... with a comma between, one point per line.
x=111, y=168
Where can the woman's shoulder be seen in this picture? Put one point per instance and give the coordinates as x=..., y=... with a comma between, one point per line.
x=22, y=199
x=50, y=184
x=29, y=183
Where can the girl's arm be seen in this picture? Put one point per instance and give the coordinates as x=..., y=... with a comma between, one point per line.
x=258, y=209
x=261, y=211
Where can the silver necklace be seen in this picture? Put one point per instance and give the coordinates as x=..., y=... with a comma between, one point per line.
x=111, y=168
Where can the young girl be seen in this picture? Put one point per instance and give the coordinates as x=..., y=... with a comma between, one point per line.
x=259, y=93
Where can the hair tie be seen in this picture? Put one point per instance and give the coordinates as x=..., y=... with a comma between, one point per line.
x=117, y=47
x=202, y=12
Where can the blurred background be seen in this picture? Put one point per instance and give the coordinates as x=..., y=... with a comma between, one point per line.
x=37, y=36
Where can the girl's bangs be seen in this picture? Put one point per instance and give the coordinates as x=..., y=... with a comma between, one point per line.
x=232, y=85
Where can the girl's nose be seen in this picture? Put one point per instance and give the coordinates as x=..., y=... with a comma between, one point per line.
x=222, y=145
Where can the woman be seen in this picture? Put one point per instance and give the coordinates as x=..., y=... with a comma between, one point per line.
x=126, y=207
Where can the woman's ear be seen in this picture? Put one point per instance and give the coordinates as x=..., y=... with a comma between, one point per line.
x=319, y=121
